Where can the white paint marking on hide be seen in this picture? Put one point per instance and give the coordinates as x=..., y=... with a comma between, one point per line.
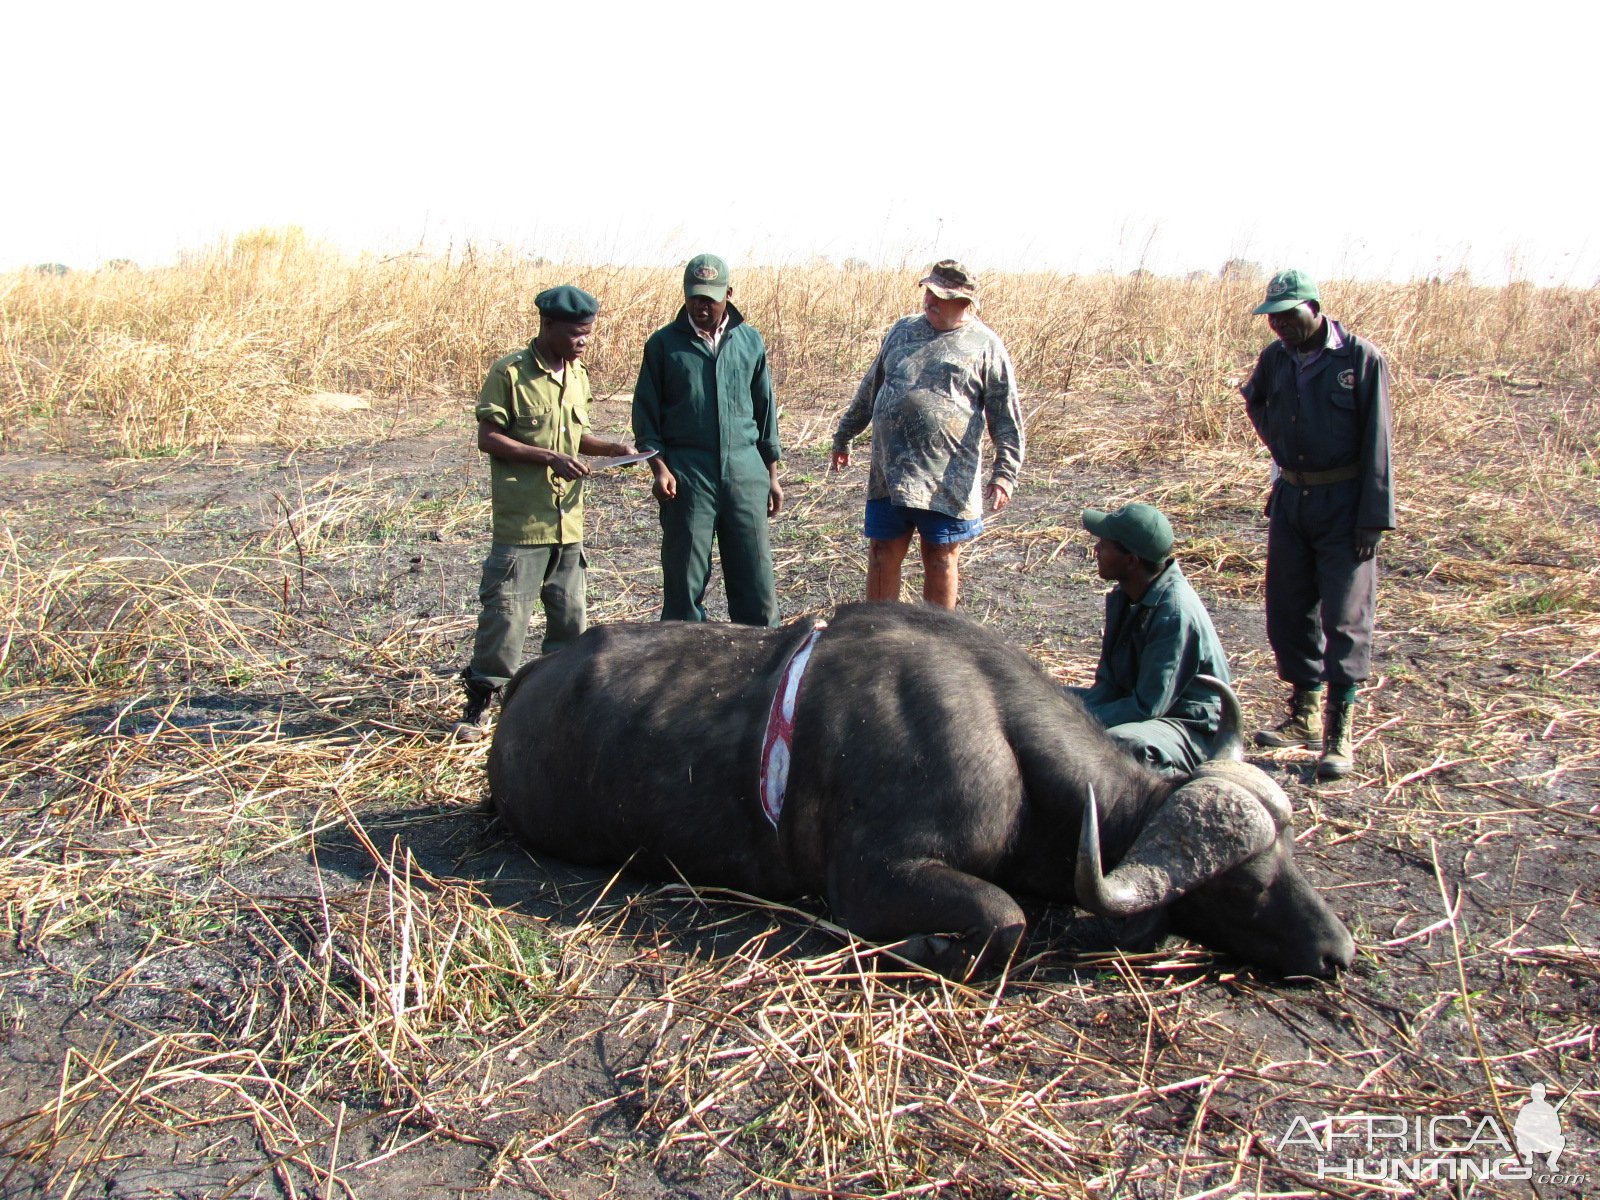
x=780, y=727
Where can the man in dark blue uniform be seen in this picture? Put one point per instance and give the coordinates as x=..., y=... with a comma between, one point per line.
x=1319, y=399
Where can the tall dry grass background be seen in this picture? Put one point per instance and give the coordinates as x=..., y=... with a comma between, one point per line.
x=242, y=887
x=146, y=360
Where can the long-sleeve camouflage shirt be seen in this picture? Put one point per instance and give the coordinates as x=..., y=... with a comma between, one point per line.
x=928, y=396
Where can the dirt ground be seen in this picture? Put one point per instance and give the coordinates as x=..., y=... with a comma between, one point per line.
x=187, y=832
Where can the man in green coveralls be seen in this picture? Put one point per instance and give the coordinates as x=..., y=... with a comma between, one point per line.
x=704, y=400
x=1158, y=637
x=533, y=422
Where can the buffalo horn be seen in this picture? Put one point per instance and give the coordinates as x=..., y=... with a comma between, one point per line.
x=1206, y=827
x=1124, y=894
x=1228, y=743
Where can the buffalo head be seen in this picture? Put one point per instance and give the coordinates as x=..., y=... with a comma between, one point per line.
x=1218, y=857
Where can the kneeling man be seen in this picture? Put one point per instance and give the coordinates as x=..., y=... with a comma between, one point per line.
x=1158, y=637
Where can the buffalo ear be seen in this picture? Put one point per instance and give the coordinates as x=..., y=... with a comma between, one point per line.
x=1206, y=827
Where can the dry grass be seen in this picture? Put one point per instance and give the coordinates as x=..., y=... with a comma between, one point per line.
x=246, y=895
x=221, y=345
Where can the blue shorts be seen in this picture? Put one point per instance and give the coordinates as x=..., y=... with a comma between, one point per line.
x=889, y=522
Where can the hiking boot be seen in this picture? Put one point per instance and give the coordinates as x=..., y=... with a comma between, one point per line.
x=1303, y=729
x=475, y=722
x=1338, y=741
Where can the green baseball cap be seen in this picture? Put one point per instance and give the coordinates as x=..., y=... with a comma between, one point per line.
x=1287, y=289
x=706, y=275
x=1142, y=528
x=566, y=303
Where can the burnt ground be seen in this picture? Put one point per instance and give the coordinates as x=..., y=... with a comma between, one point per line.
x=228, y=695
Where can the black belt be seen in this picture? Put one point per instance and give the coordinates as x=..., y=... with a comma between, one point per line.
x=1317, y=478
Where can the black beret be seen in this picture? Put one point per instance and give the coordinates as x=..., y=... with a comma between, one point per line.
x=566, y=303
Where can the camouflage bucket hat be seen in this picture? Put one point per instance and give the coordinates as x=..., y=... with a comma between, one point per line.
x=950, y=280
x=1286, y=290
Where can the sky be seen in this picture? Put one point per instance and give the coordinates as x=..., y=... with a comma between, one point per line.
x=1357, y=140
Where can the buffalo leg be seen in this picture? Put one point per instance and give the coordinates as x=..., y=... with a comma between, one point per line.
x=942, y=918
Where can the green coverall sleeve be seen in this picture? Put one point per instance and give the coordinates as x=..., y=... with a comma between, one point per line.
x=1167, y=662
x=764, y=406
x=494, y=398
x=647, y=401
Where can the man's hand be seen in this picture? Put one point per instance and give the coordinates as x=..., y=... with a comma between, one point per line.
x=997, y=495
x=838, y=460
x=774, y=491
x=590, y=444
x=564, y=466
x=665, y=485
x=1367, y=543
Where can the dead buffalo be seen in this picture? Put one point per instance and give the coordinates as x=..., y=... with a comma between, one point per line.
x=934, y=770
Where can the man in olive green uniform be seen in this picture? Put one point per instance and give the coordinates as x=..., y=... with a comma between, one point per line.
x=1158, y=637
x=1319, y=399
x=704, y=401
x=533, y=421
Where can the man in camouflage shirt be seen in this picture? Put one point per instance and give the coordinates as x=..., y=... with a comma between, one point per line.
x=939, y=380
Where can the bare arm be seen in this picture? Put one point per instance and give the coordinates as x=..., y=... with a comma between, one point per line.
x=592, y=444
x=664, y=484
x=496, y=443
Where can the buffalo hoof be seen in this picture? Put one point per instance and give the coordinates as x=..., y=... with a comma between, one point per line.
x=946, y=956
x=961, y=958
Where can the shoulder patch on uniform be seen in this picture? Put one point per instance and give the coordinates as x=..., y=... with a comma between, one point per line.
x=1347, y=380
